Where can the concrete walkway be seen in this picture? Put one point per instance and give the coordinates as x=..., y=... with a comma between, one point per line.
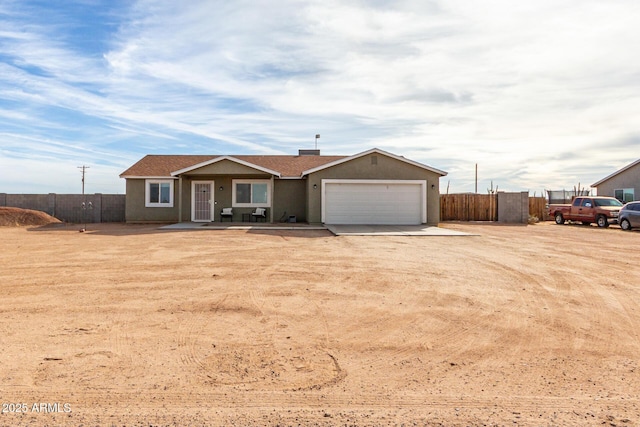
x=392, y=230
x=240, y=226
x=338, y=230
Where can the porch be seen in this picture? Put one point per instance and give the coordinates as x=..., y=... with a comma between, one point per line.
x=190, y=225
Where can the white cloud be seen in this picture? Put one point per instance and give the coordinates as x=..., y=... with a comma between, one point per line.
x=539, y=94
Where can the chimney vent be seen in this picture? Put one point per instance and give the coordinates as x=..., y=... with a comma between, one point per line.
x=308, y=152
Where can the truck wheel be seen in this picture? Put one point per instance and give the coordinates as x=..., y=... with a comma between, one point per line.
x=625, y=225
x=602, y=221
x=559, y=218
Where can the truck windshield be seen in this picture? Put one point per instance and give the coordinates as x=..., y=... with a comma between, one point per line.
x=607, y=202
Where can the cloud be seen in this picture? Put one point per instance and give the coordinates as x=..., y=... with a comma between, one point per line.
x=529, y=91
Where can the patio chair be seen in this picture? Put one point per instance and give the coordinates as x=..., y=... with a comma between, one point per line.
x=260, y=214
x=226, y=213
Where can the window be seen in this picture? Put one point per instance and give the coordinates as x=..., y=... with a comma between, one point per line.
x=252, y=193
x=159, y=193
x=624, y=195
x=608, y=202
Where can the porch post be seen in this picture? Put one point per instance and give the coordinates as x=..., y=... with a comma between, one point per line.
x=272, y=191
x=180, y=198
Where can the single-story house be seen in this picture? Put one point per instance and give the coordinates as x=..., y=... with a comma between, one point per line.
x=623, y=184
x=372, y=187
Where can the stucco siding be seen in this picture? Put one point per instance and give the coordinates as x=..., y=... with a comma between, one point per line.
x=374, y=166
x=629, y=178
x=290, y=197
x=135, y=210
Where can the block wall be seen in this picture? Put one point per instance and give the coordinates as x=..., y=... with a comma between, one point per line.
x=73, y=208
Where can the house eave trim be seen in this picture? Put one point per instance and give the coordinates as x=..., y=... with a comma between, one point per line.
x=221, y=158
x=147, y=177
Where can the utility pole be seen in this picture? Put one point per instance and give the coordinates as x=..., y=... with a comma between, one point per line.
x=84, y=168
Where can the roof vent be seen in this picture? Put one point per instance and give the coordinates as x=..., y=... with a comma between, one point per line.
x=308, y=152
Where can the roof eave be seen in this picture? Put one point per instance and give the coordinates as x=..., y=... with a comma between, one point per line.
x=147, y=177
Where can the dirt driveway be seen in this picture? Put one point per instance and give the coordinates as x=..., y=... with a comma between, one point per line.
x=131, y=325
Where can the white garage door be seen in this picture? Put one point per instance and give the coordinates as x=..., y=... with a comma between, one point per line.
x=374, y=202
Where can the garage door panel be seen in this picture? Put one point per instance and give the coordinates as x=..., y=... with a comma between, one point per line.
x=373, y=203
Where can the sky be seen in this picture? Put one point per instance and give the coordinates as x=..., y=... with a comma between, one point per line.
x=539, y=94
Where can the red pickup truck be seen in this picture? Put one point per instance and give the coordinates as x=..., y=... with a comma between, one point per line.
x=601, y=210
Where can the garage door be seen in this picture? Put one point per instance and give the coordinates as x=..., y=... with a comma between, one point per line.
x=374, y=202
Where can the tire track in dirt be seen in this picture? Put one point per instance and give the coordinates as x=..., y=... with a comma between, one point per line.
x=187, y=328
x=394, y=409
x=119, y=338
x=538, y=311
x=86, y=364
x=267, y=358
x=98, y=366
x=620, y=305
x=425, y=326
x=576, y=314
x=529, y=308
x=483, y=324
x=409, y=335
x=188, y=332
x=314, y=365
x=286, y=330
x=246, y=362
x=510, y=323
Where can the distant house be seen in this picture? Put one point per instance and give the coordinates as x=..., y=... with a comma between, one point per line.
x=623, y=184
x=372, y=187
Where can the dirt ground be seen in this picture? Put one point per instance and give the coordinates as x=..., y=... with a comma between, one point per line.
x=16, y=217
x=131, y=325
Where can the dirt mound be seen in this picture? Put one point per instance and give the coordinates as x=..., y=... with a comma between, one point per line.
x=16, y=217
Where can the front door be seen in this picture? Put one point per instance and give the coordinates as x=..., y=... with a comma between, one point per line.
x=202, y=201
